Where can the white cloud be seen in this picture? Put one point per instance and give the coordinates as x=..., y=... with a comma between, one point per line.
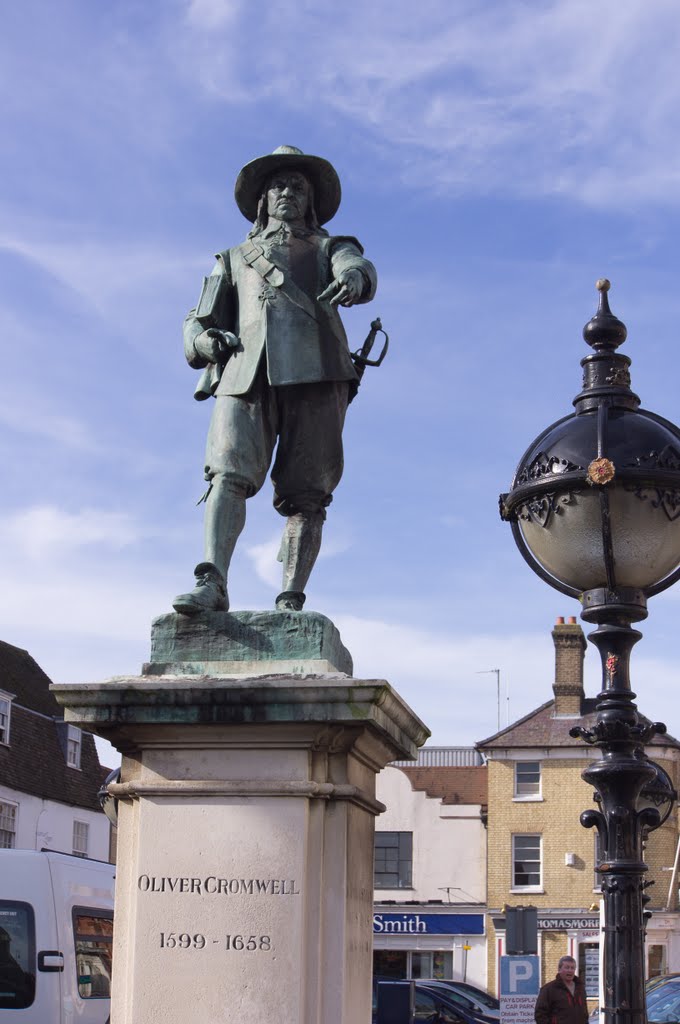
x=453, y=522
x=26, y=415
x=68, y=605
x=264, y=559
x=264, y=556
x=439, y=675
x=334, y=545
x=45, y=531
x=103, y=73
x=212, y=14
x=99, y=271
x=444, y=676
x=569, y=98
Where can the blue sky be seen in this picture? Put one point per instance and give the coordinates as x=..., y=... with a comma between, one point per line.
x=496, y=159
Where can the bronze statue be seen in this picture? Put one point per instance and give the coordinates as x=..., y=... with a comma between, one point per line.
x=274, y=353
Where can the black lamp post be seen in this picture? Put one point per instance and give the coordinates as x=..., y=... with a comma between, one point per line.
x=595, y=511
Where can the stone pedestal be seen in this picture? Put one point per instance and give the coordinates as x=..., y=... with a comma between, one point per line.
x=246, y=811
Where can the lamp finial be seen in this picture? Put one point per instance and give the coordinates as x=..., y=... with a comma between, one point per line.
x=604, y=330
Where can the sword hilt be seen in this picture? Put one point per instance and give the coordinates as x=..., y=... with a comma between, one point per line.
x=360, y=357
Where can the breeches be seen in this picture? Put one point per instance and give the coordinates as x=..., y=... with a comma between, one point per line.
x=307, y=421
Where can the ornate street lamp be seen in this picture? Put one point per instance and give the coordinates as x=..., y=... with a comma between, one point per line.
x=595, y=511
x=107, y=802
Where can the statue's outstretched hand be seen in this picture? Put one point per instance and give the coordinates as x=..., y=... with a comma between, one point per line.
x=344, y=290
x=214, y=345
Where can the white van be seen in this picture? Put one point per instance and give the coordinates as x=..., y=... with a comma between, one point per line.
x=56, y=935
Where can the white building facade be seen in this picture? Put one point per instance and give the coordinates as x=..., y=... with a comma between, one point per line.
x=430, y=869
x=30, y=822
x=49, y=771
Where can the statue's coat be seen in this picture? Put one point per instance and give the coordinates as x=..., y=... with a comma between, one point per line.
x=299, y=348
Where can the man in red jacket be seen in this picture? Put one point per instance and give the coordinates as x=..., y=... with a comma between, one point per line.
x=562, y=1001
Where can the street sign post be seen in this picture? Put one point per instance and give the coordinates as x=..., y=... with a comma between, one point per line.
x=520, y=982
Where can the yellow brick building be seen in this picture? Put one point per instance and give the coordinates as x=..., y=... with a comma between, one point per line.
x=538, y=852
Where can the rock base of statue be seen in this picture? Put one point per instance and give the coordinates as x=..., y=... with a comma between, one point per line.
x=246, y=807
x=244, y=643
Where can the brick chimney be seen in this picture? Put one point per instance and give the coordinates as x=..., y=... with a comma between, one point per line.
x=570, y=647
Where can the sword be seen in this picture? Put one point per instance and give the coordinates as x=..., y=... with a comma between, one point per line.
x=361, y=359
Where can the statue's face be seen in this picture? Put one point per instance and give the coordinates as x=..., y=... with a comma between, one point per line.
x=287, y=196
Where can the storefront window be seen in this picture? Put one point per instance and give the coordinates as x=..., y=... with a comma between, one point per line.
x=390, y=963
x=656, y=961
x=589, y=967
x=437, y=965
x=442, y=966
x=398, y=964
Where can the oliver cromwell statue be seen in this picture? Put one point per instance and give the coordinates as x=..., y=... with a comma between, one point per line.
x=268, y=336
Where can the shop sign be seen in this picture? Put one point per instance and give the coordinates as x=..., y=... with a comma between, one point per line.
x=428, y=924
x=563, y=924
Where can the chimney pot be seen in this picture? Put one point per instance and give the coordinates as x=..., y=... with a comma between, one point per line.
x=559, y=621
x=570, y=645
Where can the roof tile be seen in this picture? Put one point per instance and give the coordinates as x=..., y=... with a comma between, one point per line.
x=460, y=785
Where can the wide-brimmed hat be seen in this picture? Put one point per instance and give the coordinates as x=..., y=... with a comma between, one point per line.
x=321, y=173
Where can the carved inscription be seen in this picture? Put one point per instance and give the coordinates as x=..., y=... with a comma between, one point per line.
x=211, y=885
x=237, y=943
x=170, y=940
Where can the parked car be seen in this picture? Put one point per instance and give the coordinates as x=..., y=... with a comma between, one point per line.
x=433, y=1005
x=478, y=994
x=660, y=979
x=463, y=997
x=663, y=1000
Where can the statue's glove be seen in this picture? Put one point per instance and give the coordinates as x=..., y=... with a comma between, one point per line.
x=344, y=290
x=214, y=345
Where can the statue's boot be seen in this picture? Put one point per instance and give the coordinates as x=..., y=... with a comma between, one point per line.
x=209, y=594
x=299, y=550
x=225, y=516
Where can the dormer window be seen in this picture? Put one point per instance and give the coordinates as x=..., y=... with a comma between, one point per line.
x=5, y=712
x=73, y=745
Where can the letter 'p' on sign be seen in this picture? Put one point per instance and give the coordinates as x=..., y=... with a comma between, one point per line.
x=519, y=971
x=519, y=975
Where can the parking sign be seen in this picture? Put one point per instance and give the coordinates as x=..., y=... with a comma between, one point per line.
x=520, y=982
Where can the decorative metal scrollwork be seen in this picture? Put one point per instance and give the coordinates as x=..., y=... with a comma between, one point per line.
x=545, y=465
x=540, y=508
x=614, y=731
x=619, y=376
x=667, y=458
x=665, y=498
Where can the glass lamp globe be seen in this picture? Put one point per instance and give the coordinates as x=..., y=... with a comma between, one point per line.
x=595, y=501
